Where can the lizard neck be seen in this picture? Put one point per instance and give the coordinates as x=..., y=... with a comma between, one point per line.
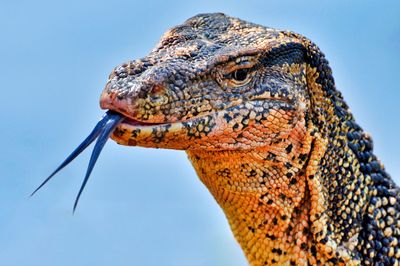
x=264, y=195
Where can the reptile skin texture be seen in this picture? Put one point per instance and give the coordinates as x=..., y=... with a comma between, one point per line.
x=258, y=114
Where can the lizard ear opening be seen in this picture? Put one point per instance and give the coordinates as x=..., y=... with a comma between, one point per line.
x=321, y=87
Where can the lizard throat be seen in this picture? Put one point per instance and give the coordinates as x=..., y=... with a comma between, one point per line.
x=267, y=210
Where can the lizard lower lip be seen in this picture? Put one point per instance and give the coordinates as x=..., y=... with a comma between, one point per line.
x=134, y=122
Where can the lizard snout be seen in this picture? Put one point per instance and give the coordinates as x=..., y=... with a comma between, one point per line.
x=138, y=100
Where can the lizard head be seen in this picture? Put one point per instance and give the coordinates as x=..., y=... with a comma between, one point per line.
x=215, y=83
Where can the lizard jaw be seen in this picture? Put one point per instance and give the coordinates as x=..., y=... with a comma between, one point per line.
x=204, y=131
x=131, y=132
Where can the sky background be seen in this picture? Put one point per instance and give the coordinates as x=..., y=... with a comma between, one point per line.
x=144, y=206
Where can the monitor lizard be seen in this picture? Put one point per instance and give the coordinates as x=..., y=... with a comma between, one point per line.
x=269, y=135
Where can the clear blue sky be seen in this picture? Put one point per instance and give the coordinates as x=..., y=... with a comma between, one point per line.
x=143, y=206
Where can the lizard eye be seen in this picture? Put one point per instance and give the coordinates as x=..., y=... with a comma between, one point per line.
x=236, y=73
x=239, y=77
x=240, y=74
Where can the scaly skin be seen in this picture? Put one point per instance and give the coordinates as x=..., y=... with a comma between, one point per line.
x=258, y=114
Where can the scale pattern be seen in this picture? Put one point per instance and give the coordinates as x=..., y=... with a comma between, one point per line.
x=258, y=114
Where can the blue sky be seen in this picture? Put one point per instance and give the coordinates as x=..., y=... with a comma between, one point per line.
x=143, y=206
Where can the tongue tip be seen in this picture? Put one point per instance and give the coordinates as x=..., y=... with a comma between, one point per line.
x=101, y=131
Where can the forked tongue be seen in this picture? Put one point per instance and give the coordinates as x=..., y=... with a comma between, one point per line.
x=102, y=132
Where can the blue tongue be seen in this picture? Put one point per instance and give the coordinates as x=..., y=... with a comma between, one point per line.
x=102, y=132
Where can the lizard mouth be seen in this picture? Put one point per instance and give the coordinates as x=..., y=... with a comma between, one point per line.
x=108, y=124
x=136, y=123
